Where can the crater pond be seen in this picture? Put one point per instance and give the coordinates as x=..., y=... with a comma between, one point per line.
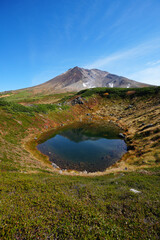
x=84, y=147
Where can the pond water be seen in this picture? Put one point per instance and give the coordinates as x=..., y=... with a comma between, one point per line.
x=91, y=147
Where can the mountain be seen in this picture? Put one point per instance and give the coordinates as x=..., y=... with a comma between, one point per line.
x=76, y=79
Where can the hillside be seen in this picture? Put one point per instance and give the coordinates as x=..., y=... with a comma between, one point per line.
x=38, y=201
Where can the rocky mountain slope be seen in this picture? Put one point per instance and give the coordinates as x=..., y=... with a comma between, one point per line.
x=76, y=79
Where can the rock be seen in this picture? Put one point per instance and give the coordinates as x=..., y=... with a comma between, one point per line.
x=32, y=105
x=122, y=174
x=55, y=165
x=145, y=220
x=147, y=126
x=35, y=138
x=121, y=135
x=77, y=100
x=130, y=147
x=129, y=107
x=134, y=190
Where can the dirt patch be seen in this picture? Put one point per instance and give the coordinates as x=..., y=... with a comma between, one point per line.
x=7, y=95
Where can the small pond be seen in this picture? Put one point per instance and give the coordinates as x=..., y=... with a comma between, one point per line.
x=91, y=147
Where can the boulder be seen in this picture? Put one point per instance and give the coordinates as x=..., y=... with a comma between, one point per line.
x=121, y=135
x=77, y=100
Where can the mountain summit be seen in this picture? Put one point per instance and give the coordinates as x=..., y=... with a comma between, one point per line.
x=76, y=79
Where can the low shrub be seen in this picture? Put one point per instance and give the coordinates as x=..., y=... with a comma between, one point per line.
x=13, y=107
x=120, y=92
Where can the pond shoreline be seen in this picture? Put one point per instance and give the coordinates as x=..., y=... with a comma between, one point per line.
x=98, y=109
x=32, y=142
x=88, y=147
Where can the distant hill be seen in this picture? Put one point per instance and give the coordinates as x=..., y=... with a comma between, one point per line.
x=76, y=79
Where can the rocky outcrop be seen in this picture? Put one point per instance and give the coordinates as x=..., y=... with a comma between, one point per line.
x=77, y=100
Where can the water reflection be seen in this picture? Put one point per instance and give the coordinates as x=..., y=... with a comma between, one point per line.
x=87, y=147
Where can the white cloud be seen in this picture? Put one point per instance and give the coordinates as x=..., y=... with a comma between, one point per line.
x=140, y=50
x=149, y=75
x=153, y=63
x=131, y=63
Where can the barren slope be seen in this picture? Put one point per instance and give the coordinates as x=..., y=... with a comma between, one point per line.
x=76, y=79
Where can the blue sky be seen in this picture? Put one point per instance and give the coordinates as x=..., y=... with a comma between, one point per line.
x=40, y=39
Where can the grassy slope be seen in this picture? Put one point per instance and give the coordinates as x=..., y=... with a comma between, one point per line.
x=51, y=206
x=38, y=203
x=29, y=97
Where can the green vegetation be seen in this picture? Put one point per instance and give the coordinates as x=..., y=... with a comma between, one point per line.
x=38, y=203
x=51, y=206
x=25, y=96
x=20, y=95
x=120, y=92
x=13, y=107
x=65, y=98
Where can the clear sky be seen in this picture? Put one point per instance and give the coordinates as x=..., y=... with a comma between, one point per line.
x=40, y=39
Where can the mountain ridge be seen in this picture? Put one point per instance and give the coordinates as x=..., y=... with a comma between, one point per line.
x=76, y=79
